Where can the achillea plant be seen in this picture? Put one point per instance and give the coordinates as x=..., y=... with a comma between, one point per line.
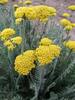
x=36, y=61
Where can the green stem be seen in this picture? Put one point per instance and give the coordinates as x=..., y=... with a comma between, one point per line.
x=23, y=37
x=40, y=96
x=12, y=17
x=12, y=83
x=17, y=80
x=9, y=57
x=2, y=13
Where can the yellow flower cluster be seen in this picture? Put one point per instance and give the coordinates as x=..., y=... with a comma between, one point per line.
x=44, y=55
x=16, y=40
x=40, y=12
x=68, y=25
x=26, y=12
x=47, y=52
x=70, y=44
x=73, y=24
x=43, y=12
x=11, y=44
x=64, y=22
x=6, y=33
x=24, y=63
x=45, y=42
x=55, y=49
x=3, y=1
x=19, y=13
x=18, y=21
x=66, y=15
x=30, y=13
x=71, y=7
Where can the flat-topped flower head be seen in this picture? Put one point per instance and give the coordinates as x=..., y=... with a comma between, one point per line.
x=71, y=7
x=66, y=15
x=65, y=22
x=40, y=12
x=6, y=33
x=13, y=42
x=73, y=24
x=9, y=45
x=70, y=44
x=17, y=40
x=68, y=27
x=18, y=21
x=44, y=11
x=24, y=63
x=30, y=13
x=26, y=12
x=46, y=54
x=19, y=13
x=55, y=49
x=52, y=10
x=45, y=41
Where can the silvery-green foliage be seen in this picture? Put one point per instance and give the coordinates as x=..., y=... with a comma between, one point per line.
x=54, y=81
